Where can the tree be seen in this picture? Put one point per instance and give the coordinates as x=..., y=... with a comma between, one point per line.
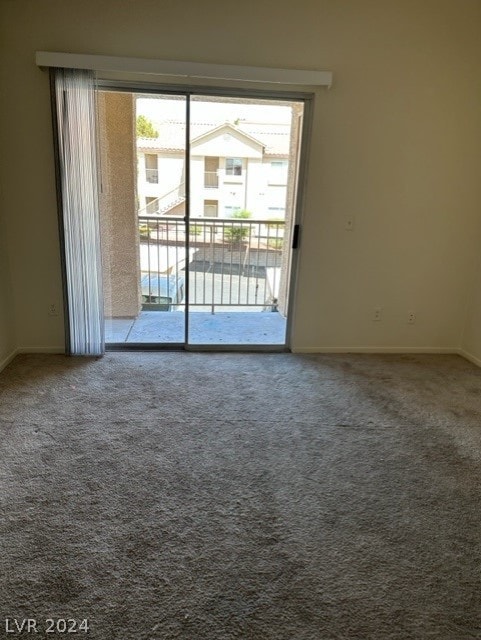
x=145, y=128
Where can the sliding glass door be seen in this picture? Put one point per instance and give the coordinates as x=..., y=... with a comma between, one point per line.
x=198, y=206
x=144, y=217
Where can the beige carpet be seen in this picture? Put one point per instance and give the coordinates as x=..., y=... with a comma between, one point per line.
x=225, y=496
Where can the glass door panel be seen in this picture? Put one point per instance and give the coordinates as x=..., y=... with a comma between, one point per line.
x=243, y=168
x=143, y=205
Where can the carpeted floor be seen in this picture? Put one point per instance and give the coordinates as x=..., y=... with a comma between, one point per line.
x=260, y=496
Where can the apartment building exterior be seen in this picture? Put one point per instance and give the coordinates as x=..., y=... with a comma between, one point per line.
x=233, y=167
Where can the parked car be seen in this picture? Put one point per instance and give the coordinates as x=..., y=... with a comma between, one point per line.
x=161, y=292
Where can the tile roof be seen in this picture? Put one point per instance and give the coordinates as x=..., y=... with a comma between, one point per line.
x=274, y=137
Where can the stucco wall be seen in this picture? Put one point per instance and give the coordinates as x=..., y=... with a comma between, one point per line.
x=395, y=145
x=119, y=228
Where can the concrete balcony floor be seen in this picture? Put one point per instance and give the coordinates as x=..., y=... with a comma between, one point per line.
x=220, y=328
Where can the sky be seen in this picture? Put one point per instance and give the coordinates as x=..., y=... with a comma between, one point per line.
x=159, y=109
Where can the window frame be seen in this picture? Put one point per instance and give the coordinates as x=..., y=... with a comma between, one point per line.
x=231, y=171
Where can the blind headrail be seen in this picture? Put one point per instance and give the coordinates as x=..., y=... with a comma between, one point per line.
x=203, y=70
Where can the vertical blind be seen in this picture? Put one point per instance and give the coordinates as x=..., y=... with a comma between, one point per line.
x=75, y=113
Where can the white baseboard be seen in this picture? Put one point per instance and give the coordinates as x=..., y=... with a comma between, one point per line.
x=374, y=350
x=392, y=350
x=6, y=360
x=468, y=356
x=41, y=349
x=378, y=350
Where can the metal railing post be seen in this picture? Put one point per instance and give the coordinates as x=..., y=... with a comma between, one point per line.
x=212, y=228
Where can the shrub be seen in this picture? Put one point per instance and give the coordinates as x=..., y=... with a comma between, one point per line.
x=144, y=229
x=195, y=229
x=238, y=233
x=275, y=243
x=242, y=213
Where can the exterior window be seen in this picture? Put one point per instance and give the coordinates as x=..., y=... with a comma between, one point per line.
x=211, y=208
x=278, y=172
x=277, y=211
x=151, y=168
x=233, y=166
x=229, y=211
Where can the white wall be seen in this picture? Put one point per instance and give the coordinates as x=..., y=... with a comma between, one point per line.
x=471, y=343
x=7, y=337
x=171, y=174
x=7, y=314
x=395, y=144
x=197, y=187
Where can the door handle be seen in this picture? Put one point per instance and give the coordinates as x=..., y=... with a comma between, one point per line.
x=295, y=236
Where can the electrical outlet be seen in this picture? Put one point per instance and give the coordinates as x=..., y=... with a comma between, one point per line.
x=53, y=309
x=349, y=223
x=411, y=317
x=377, y=314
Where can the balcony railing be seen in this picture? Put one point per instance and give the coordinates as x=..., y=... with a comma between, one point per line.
x=164, y=203
x=232, y=262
